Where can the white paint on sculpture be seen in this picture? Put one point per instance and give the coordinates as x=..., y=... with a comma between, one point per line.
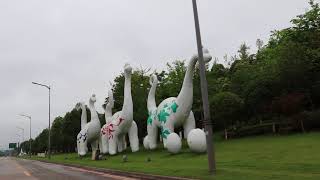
x=197, y=141
x=90, y=132
x=174, y=111
x=150, y=140
x=146, y=143
x=173, y=143
x=22, y=153
x=121, y=123
x=104, y=148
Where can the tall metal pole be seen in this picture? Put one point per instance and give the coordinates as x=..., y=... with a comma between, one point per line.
x=204, y=93
x=30, y=138
x=49, y=138
x=29, y=117
x=49, y=148
x=22, y=129
x=19, y=140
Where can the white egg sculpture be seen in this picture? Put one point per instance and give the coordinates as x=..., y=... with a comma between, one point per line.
x=173, y=143
x=197, y=141
x=146, y=143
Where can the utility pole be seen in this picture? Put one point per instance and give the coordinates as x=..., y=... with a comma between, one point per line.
x=29, y=117
x=204, y=94
x=22, y=129
x=49, y=138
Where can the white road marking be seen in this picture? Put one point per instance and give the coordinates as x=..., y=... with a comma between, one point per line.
x=26, y=173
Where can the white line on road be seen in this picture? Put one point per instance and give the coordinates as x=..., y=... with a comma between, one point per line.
x=26, y=173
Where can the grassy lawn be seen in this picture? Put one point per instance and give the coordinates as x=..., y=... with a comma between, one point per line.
x=263, y=157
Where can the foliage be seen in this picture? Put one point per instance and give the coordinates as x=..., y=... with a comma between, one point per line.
x=312, y=120
x=226, y=107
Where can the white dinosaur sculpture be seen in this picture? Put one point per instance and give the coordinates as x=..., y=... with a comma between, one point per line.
x=104, y=148
x=150, y=141
x=90, y=132
x=172, y=112
x=103, y=144
x=121, y=123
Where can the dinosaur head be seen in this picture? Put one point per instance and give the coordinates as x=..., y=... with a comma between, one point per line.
x=110, y=101
x=127, y=69
x=80, y=105
x=153, y=79
x=93, y=98
x=206, y=55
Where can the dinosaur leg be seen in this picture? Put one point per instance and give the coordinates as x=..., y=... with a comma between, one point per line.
x=103, y=144
x=152, y=136
x=189, y=124
x=94, y=146
x=168, y=127
x=113, y=145
x=133, y=137
x=120, y=143
x=124, y=143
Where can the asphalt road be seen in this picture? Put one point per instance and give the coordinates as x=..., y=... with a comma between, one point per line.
x=20, y=169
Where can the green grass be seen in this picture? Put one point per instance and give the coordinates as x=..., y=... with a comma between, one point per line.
x=263, y=157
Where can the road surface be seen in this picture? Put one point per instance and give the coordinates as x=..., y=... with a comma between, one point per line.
x=20, y=169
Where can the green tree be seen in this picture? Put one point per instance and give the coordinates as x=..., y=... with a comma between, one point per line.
x=70, y=129
x=56, y=134
x=40, y=144
x=226, y=108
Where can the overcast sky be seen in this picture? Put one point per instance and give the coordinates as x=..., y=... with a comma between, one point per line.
x=78, y=46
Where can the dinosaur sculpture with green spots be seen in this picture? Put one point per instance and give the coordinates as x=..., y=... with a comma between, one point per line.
x=172, y=112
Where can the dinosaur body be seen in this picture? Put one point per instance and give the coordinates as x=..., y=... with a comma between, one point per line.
x=90, y=132
x=121, y=123
x=172, y=112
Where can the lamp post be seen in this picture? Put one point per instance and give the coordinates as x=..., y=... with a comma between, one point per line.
x=204, y=94
x=22, y=129
x=29, y=117
x=49, y=138
x=19, y=139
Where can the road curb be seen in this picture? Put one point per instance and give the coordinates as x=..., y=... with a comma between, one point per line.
x=119, y=173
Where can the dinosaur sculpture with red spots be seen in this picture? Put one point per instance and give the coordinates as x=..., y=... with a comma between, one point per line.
x=121, y=123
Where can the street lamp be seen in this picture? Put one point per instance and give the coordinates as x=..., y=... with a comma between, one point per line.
x=19, y=140
x=29, y=117
x=22, y=129
x=204, y=94
x=49, y=138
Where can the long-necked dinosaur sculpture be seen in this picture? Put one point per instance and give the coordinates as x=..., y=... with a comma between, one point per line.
x=172, y=112
x=90, y=132
x=121, y=123
x=104, y=148
x=150, y=141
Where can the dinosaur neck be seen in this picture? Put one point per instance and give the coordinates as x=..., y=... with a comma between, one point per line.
x=151, y=103
x=83, y=117
x=93, y=112
x=186, y=92
x=127, y=108
x=108, y=111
